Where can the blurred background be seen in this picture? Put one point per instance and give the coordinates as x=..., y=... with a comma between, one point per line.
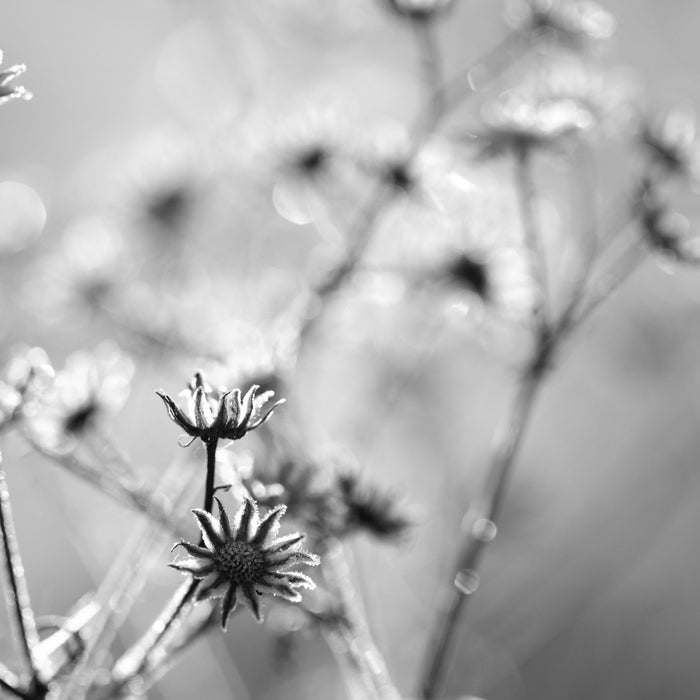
x=153, y=139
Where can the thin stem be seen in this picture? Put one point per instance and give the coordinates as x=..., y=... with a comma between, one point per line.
x=480, y=522
x=211, y=476
x=432, y=69
x=527, y=201
x=17, y=594
x=137, y=658
x=355, y=631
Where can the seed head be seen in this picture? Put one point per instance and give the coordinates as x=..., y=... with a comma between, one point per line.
x=219, y=415
x=245, y=556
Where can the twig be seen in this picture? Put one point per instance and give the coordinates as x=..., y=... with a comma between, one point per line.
x=480, y=522
x=17, y=593
x=9, y=683
x=356, y=635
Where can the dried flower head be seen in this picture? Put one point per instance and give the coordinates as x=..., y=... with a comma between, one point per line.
x=669, y=139
x=88, y=386
x=667, y=232
x=245, y=556
x=12, y=92
x=573, y=23
x=368, y=509
x=418, y=10
x=219, y=415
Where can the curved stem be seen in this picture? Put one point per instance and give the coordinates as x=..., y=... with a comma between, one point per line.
x=479, y=523
x=211, y=476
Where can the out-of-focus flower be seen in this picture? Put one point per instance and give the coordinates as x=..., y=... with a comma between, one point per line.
x=573, y=23
x=521, y=119
x=669, y=139
x=330, y=498
x=666, y=232
x=12, y=92
x=245, y=557
x=418, y=10
x=26, y=375
x=219, y=415
x=89, y=386
x=608, y=95
x=83, y=276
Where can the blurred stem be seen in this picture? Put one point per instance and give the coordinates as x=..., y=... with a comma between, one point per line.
x=17, y=594
x=354, y=630
x=358, y=238
x=431, y=67
x=9, y=683
x=142, y=652
x=479, y=524
x=527, y=202
x=110, y=484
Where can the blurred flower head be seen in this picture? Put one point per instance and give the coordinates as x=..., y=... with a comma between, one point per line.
x=8, y=91
x=245, y=557
x=667, y=232
x=669, y=140
x=522, y=119
x=27, y=374
x=212, y=415
x=571, y=23
x=82, y=276
x=89, y=386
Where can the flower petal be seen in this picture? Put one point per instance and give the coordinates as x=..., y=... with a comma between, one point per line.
x=212, y=533
x=177, y=415
x=202, y=410
x=228, y=605
x=224, y=522
x=193, y=550
x=247, y=520
x=199, y=568
x=268, y=526
x=251, y=598
x=211, y=587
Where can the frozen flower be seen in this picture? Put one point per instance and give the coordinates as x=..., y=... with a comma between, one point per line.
x=245, y=557
x=521, y=120
x=418, y=10
x=89, y=386
x=572, y=23
x=669, y=139
x=11, y=92
x=667, y=232
x=219, y=415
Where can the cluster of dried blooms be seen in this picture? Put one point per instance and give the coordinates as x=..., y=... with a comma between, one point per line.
x=415, y=221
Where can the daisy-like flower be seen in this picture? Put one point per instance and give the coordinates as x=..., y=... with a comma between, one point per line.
x=669, y=139
x=418, y=10
x=12, y=92
x=245, y=557
x=89, y=386
x=219, y=415
x=573, y=23
x=521, y=120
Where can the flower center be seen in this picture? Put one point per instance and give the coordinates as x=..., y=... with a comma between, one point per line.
x=241, y=562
